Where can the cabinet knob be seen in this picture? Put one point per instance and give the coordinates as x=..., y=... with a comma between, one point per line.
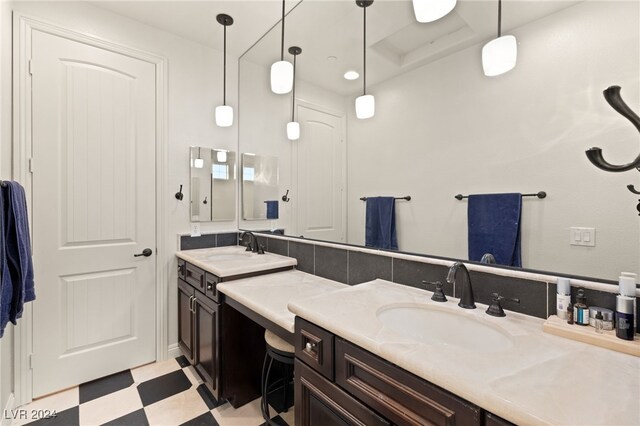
x=311, y=347
x=209, y=286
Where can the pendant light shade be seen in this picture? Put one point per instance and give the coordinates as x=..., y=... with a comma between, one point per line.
x=365, y=104
x=221, y=156
x=500, y=54
x=281, y=77
x=282, y=71
x=198, y=163
x=293, y=130
x=293, y=127
x=224, y=113
x=432, y=10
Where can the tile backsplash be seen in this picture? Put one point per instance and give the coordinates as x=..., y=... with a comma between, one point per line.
x=351, y=265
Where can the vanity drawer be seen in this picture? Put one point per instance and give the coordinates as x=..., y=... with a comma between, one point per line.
x=194, y=276
x=314, y=346
x=210, y=285
x=396, y=394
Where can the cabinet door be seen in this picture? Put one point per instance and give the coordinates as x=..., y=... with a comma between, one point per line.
x=185, y=319
x=207, y=344
x=321, y=403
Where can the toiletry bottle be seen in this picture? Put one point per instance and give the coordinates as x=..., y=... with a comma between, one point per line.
x=570, y=313
x=599, y=323
x=563, y=297
x=580, y=309
x=627, y=288
x=625, y=313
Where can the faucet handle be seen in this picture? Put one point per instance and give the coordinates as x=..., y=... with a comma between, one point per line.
x=260, y=248
x=438, y=294
x=495, y=309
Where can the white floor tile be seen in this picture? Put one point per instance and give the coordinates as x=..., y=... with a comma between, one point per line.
x=176, y=409
x=289, y=416
x=193, y=376
x=110, y=407
x=58, y=401
x=153, y=370
x=247, y=415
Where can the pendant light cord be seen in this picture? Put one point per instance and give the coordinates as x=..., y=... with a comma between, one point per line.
x=364, y=50
x=293, y=101
x=282, y=37
x=499, y=18
x=224, y=67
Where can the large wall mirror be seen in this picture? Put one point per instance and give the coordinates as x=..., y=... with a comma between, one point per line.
x=259, y=187
x=442, y=128
x=213, y=184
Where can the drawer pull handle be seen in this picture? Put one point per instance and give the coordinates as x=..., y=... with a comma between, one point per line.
x=311, y=347
x=209, y=286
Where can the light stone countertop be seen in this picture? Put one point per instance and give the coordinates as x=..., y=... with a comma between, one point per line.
x=234, y=260
x=268, y=295
x=539, y=379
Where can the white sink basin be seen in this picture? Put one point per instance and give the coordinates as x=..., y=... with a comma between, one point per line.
x=437, y=326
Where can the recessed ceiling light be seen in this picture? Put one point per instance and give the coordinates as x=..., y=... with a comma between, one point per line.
x=351, y=75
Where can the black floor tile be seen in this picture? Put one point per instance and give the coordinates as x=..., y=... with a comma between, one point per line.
x=137, y=418
x=104, y=386
x=205, y=419
x=182, y=361
x=163, y=387
x=207, y=397
x=70, y=417
x=277, y=420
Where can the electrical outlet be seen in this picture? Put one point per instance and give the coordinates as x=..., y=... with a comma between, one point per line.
x=195, y=229
x=582, y=237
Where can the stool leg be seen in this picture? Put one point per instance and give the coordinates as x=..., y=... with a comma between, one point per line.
x=265, y=382
x=287, y=379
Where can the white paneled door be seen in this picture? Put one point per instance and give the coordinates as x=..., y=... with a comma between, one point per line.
x=94, y=208
x=319, y=170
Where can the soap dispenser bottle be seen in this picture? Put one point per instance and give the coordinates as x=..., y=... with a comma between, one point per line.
x=580, y=309
x=626, y=321
x=563, y=297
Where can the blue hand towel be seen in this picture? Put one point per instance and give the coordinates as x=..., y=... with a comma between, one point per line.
x=494, y=227
x=6, y=283
x=272, y=209
x=380, y=227
x=17, y=265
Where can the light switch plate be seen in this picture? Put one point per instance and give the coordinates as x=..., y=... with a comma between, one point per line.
x=195, y=229
x=579, y=236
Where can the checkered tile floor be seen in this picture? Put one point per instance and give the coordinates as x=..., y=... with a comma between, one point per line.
x=165, y=393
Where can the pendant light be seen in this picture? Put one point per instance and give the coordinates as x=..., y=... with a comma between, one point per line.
x=224, y=113
x=221, y=156
x=500, y=54
x=199, y=162
x=365, y=104
x=282, y=71
x=432, y=10
x=293, y=127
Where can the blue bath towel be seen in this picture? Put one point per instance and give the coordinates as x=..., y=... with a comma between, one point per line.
x=16, y=263
x=380, y=227
x=272, y=209
x=494, y=227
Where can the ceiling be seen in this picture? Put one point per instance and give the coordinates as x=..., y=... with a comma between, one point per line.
x=330, y=31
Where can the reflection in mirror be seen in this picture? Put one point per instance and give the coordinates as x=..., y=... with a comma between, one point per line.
x=259, y=187
x=213, y=184
x=444, y=128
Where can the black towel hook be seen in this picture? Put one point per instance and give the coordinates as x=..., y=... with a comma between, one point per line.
x=613, y=98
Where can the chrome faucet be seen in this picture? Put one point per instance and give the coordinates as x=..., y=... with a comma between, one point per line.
x=458, y=270
x=255, y=247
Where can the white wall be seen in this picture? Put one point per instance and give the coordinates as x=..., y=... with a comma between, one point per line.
x=194, y=90
x=6, y=343
x=452, y=130
x=263, y=121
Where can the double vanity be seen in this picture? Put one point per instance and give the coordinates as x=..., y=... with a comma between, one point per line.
x=381, y=353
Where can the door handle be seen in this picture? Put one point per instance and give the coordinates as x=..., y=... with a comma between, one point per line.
x=146, y=253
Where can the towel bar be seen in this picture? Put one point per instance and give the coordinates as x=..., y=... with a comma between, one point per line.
x=408, y=198
x=540, y=194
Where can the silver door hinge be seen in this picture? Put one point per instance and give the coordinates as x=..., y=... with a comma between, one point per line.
x=30, y=66
x=31, y=165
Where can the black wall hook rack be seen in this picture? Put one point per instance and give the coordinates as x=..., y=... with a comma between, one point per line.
x=285, y=197
x=539, y=194
x=613, y=98
x=407, y=198
x=179, y=194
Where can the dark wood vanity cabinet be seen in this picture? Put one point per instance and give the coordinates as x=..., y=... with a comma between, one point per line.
x=347, y=385
x=199, y=323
